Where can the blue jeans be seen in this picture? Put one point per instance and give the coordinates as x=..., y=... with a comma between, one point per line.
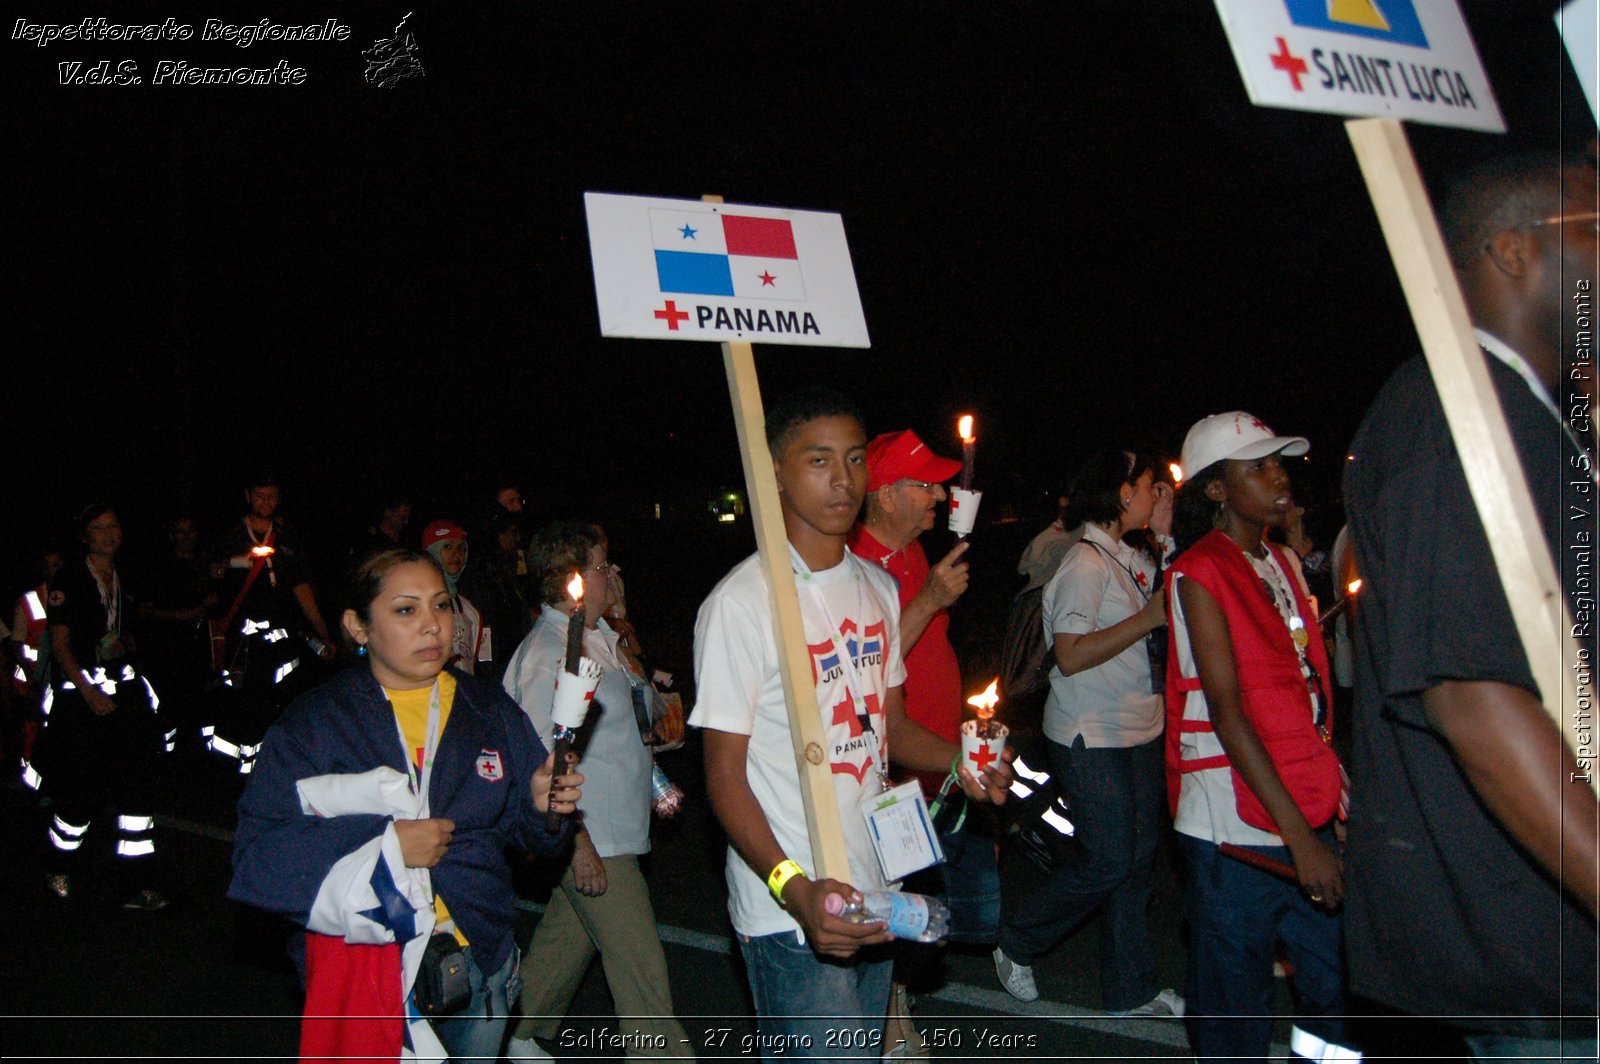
x=814, y=1007
x=1116, y=795
x=1236, y=915
x=475, y=1033
x=968, y=881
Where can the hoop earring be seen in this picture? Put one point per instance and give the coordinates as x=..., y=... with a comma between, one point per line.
x=1219, y=519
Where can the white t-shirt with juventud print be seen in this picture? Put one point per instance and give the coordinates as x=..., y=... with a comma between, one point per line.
x=739, y=690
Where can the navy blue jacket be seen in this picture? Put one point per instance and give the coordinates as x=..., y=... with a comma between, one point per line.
x=281, y=855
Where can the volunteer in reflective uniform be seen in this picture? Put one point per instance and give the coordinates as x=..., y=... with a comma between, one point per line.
x=104, y=736
x=267, y=602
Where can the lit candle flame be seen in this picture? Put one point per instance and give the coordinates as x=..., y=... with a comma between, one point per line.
x=1352, y=587
x=1177, y=472
x=984, y=703
x=575, y=587
x=264, y=550
x=964, y=429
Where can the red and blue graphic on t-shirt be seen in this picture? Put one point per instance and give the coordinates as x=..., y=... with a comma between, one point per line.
x=853, y=751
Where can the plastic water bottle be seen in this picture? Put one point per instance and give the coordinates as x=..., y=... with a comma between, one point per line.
x=913, y=916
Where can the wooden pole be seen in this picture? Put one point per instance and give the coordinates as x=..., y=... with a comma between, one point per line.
x=1494, y=473
x=828, y=852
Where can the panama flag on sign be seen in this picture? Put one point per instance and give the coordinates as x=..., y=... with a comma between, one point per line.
x=713, y=254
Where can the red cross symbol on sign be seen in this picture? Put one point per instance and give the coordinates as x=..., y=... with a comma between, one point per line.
x=672, y=315
x=1287, y=62
x=982, y=756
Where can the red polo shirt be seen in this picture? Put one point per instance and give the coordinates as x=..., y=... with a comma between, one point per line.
x=933, y=676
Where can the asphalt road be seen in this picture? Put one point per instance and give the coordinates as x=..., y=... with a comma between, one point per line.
x=208, y=979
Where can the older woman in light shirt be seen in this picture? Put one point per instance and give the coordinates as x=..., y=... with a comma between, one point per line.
x=602, y=904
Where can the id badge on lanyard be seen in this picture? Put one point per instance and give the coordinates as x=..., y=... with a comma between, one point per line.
x=902, y=832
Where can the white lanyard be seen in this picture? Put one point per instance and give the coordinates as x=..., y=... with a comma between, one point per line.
x=852, y=679
x=110, y=598
x=430, y=744
x=1515, y=362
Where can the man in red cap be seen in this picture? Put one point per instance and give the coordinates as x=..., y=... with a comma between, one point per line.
x=905, y=484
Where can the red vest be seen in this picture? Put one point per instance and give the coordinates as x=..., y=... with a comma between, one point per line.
x=1272, y=689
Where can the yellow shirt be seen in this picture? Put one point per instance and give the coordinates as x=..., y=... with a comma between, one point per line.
x=411, y=710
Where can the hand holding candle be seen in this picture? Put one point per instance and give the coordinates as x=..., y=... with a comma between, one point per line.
x=575, y=687
x=1343, y=604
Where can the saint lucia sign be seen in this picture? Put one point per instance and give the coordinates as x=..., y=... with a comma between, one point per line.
x=1408, y=59
x=690, y=270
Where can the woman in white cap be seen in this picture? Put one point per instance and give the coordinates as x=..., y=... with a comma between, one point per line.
x=1250, y=770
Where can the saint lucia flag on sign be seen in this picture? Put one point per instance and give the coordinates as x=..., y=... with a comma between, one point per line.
x=711, y=254
x=1384, y=20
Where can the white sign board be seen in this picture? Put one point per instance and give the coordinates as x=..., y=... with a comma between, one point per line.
x=1407, y=59
x=689, y=270
x=1579, y=23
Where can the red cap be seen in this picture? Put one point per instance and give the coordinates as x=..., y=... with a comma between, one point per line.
x=898, y=455
x=440, y=531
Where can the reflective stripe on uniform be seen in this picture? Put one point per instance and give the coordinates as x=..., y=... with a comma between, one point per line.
x=285, y=669
x=1308, y=1045
x=35, y=606
x=30, y=777
x=135, y=847
x=65, y=836
x=1056, y=820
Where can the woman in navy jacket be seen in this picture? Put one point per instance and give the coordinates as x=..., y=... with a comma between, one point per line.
x=373, y=850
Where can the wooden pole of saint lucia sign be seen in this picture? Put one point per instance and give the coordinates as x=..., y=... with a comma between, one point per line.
x=1478, y=425
x=830, y=857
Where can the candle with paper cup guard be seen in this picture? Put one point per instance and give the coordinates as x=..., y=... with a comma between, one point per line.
x=983, y=740
x=985, y=703
x=575, y=687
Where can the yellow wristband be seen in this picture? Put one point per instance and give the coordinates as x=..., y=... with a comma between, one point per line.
x=779, y=877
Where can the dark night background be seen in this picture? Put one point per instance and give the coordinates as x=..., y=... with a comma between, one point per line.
x=1064, y=217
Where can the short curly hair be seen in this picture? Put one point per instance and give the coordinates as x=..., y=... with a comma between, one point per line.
x=556, y=552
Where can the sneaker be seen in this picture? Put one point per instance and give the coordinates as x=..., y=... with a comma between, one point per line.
x=147, y=901
x=526, y=1049
x=1016, y=978
x=1166, y=1003
x=58, y=884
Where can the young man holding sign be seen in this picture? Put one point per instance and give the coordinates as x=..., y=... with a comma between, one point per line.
x=820, y=986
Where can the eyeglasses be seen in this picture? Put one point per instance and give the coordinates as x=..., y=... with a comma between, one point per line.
x=1592, y=217
x=923, y=484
